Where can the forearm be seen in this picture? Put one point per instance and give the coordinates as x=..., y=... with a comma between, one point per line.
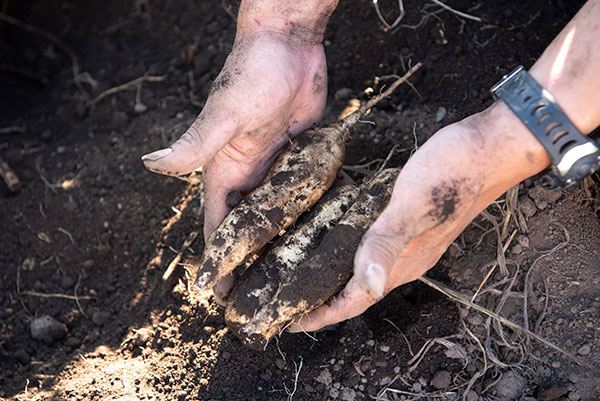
x=304, y=19
x=570, y=70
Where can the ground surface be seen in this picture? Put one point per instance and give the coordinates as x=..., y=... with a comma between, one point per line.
x=90, y=235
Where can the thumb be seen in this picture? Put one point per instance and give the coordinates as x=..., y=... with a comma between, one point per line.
x=194, y=148
x=379, y=250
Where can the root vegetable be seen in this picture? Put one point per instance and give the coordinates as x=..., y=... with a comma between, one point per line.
x=298, y=178
x=257, y=285
x=328, y=267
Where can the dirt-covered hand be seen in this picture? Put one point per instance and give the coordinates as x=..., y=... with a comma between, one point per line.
x=272, y=87
x=447, y=182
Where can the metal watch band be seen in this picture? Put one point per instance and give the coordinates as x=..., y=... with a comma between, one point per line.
x=574, y=156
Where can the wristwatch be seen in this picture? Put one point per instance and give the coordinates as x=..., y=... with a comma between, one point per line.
x=574, y=156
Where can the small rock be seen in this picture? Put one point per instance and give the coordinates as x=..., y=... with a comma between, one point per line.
x=89, y=264
x=584, y=350
x=573, y=396
x=472, y=396
x=29, y=264
x=370, y=343
x=552, y=393
x=140, y=108
x=441, y=380
x=324, y=377
x=523, y=241
x=100, y=318
x=542, y=197
x=280, y=363
x=384, y=348
x=475, y=319
x=104, y=249
x=510, y=386
x=440, y=114
x=417, y=387
x=348, y=394
x=343, y=94
x=517, y=249
x=527, y=206
x=47, y=329
x=334, y=393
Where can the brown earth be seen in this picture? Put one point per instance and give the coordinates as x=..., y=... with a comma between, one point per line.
x=89, y=236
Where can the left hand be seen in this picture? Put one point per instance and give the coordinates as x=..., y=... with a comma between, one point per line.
x=446, y=184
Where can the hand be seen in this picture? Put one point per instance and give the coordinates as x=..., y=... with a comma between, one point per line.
x=272, y=87
x=446, y=183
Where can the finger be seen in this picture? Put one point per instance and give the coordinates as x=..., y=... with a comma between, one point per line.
x=223, y=287
x=351, y=302
x=205, y=137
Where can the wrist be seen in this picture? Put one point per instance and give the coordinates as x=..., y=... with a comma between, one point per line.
x=303, y=21
x=515, y=151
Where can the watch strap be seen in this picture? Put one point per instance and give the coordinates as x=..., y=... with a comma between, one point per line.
x=574, y=156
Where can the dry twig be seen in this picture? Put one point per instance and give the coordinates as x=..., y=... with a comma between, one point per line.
x=186, y=244
x=10, y=178
x=130, y=84
x=459, y=13
x=465, y=301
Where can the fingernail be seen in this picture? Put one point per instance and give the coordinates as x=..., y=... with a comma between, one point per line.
x=157, y=155
x=374, y=277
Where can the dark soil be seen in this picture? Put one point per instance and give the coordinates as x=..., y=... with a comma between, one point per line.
x=89, y=236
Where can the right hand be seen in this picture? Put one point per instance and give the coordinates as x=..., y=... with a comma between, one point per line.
x=273, y=87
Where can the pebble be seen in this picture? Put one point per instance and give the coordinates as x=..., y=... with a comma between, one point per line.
x=348, y=394
x=440, y=114
x=324, y=377
x=140, y=108
x=472, y=396
x=280, y=363
x=334, y=393
x=527, y=206
x=47, y=329
x=585, y=349
x=384, y=348
x=510, y=386
x=370, y=343
x=441, y=380
x=475, y=319
x=573, y=396
x=104, y=249
x=89, y=264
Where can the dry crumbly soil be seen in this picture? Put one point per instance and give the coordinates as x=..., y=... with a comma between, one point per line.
x=88, y=238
